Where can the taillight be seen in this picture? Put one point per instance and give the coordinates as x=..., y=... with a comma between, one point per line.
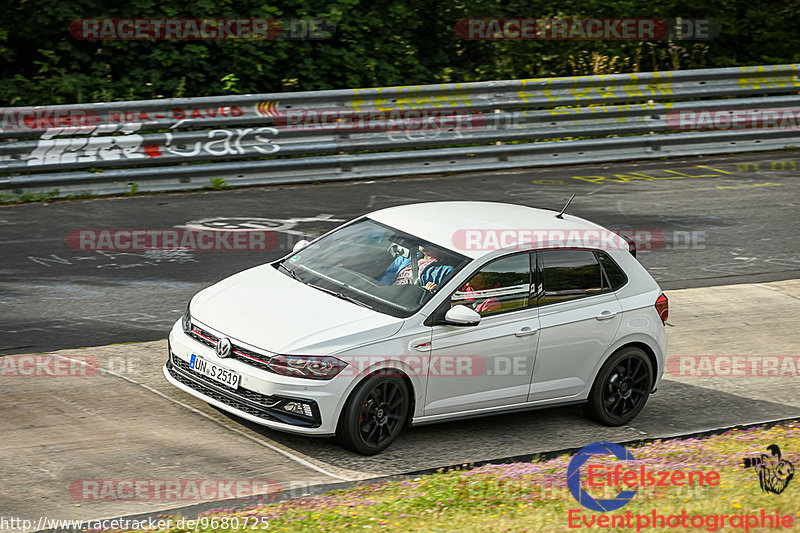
x=662, y=306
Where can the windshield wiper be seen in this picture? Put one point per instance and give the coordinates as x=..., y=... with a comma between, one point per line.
x=323, y=289
x=290, y=271
x=340, y=295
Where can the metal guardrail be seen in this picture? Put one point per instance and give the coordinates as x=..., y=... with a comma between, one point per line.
x=174, y=144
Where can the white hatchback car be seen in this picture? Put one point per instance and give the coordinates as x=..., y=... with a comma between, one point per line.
x=423, y=313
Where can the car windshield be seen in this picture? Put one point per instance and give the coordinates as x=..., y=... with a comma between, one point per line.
x=375, y=266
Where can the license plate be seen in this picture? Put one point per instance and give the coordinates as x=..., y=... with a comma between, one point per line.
x=219, y=374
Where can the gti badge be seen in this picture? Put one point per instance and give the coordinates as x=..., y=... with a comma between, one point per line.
x=223, y=348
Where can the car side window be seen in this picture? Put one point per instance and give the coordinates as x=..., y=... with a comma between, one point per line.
x=500, y=286
x=615, y=277
x=569, y=274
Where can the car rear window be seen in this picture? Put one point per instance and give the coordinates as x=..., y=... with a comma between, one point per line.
x=570, y=274
x=615, y=277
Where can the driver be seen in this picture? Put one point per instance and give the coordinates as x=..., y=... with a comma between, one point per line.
x=431, y=275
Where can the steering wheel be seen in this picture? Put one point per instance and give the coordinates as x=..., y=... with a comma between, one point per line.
x=367, y=279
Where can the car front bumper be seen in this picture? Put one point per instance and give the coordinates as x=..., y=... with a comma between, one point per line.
x=261, y=394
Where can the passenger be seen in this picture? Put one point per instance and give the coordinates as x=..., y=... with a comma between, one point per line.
x=431, y=276
x=479, y=282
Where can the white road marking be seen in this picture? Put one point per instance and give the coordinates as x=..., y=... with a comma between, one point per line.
x=598, y=189
x=272, y=447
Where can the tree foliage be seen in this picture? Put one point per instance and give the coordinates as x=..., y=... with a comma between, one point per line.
x=376, y=43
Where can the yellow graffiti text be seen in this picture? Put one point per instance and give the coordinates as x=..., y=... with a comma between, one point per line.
x=633, y=176
x=409, y=97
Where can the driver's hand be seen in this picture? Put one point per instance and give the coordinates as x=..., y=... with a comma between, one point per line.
x=430, y=286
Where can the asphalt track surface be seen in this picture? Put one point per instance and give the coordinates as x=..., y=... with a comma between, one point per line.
x=127, y=423
x=742, y=212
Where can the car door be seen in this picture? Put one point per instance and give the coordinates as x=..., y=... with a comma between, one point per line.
x=579, y=319
x=495, y=356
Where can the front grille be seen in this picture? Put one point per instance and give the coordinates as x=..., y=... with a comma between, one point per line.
x=237, y=352
x=253, y=396
x=250, y=402
x=249, y=357
x=203, y=336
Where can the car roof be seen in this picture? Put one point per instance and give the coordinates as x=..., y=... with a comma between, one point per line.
x=440, y=222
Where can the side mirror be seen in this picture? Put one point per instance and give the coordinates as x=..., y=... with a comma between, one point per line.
x=461, y=315
x=299, y=245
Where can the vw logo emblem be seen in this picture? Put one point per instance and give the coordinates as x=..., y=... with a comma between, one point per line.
x=223, y=348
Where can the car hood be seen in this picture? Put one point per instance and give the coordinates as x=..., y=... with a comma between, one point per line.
x=269, y=310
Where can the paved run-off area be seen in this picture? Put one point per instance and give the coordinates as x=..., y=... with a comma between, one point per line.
x=126, y=423
x=723, y=219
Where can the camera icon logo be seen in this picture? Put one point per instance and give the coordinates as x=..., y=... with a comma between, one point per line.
x=774, y=472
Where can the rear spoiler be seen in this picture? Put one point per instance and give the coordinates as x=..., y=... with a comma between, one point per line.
x=631, y=244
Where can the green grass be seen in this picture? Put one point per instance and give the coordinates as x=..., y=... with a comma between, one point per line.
x=219, y=183
x=534, y=497
x=27, y=197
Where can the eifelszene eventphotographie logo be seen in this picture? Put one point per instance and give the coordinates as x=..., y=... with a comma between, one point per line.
x=626, y=473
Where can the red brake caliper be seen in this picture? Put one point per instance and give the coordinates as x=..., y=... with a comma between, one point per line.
x=363, y=411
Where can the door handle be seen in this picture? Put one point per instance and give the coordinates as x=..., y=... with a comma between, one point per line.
x=525, y=332
x=606, y=315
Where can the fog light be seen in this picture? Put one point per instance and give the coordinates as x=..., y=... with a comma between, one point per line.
x=299, y=408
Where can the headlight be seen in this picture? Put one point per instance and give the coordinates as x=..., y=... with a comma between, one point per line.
x=307, y=366
x=186, y=319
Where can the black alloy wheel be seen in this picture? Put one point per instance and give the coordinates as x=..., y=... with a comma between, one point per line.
x=622, y=387
x=375, y=414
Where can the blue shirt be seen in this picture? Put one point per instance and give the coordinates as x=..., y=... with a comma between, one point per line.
x=437, y=274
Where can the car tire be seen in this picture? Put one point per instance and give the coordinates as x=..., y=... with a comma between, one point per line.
x=374, y=414
x=621, y=388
